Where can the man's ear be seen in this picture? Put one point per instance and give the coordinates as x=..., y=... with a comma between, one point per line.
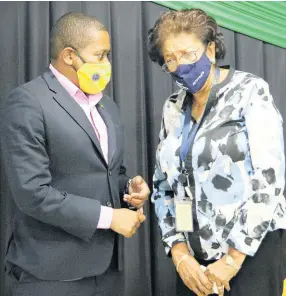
x=68, y=56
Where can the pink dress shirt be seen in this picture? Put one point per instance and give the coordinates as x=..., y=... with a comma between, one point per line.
x=88, y=103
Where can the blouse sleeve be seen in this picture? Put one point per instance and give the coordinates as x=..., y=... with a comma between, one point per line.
x=163, y=199
x=264, y=208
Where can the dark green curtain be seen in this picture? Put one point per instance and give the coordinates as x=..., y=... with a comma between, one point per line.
x=139, y=88
x=259, y=19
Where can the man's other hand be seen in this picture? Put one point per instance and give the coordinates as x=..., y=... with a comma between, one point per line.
x=126, y=222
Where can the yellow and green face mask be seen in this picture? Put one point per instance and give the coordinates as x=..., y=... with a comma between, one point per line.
x=93, y=78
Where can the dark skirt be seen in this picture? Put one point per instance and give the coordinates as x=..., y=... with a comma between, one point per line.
x=261, y=275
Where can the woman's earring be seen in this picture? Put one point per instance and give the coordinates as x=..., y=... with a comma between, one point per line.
x=212, y=61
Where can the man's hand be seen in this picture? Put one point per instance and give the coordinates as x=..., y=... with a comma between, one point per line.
x=138, y=192
x=126, y=222
x=221, y=273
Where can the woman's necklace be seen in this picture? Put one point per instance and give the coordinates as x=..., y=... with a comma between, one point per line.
x=199, y=104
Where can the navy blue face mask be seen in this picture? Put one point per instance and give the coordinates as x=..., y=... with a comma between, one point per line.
x=192, y=77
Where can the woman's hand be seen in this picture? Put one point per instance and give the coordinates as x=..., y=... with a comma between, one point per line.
x=194, y=278
x=190, y=271
x=221, y=273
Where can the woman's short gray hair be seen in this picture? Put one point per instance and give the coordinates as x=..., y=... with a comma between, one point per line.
x=184, y=21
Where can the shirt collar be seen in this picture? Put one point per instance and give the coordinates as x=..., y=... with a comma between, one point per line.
x=64, y=81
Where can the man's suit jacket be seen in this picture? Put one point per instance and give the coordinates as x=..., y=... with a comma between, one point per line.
x=58, y=178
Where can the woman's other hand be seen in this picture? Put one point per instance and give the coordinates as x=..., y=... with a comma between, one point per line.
x=190, y=271
x=221, y=272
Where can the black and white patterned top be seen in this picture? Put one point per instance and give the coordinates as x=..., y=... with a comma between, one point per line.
x=237, y=164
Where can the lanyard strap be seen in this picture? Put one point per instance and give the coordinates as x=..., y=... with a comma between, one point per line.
x=188, y=138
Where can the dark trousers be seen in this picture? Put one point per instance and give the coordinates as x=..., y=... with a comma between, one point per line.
x=261, y=275
x=111, y=283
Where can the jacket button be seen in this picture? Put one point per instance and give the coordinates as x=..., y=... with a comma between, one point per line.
x=109, y=204
x=109, y=173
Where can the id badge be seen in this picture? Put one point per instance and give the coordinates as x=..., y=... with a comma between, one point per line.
x=184, y=216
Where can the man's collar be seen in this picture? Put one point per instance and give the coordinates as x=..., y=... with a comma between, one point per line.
x=70, y=87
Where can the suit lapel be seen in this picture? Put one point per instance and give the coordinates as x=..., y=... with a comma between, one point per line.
x=110, y=129
x=72, y=108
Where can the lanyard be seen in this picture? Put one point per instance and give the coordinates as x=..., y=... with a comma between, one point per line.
x=187, y=137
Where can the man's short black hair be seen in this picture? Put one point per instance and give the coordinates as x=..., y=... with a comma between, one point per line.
x=72, y=30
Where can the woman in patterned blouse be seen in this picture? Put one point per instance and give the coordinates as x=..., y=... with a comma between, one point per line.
x=219, y=175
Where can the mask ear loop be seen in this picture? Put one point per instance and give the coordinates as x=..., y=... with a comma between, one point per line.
x=217, y=69
x=76, y=52
x=78, y=55
x=213, y=61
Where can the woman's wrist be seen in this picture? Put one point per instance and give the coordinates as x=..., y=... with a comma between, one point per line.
x=178, y=251
x=237, y=256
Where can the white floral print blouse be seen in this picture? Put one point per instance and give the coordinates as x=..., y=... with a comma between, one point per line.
x=238, y=167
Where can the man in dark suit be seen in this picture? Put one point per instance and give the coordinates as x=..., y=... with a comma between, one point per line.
x=62, y=154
